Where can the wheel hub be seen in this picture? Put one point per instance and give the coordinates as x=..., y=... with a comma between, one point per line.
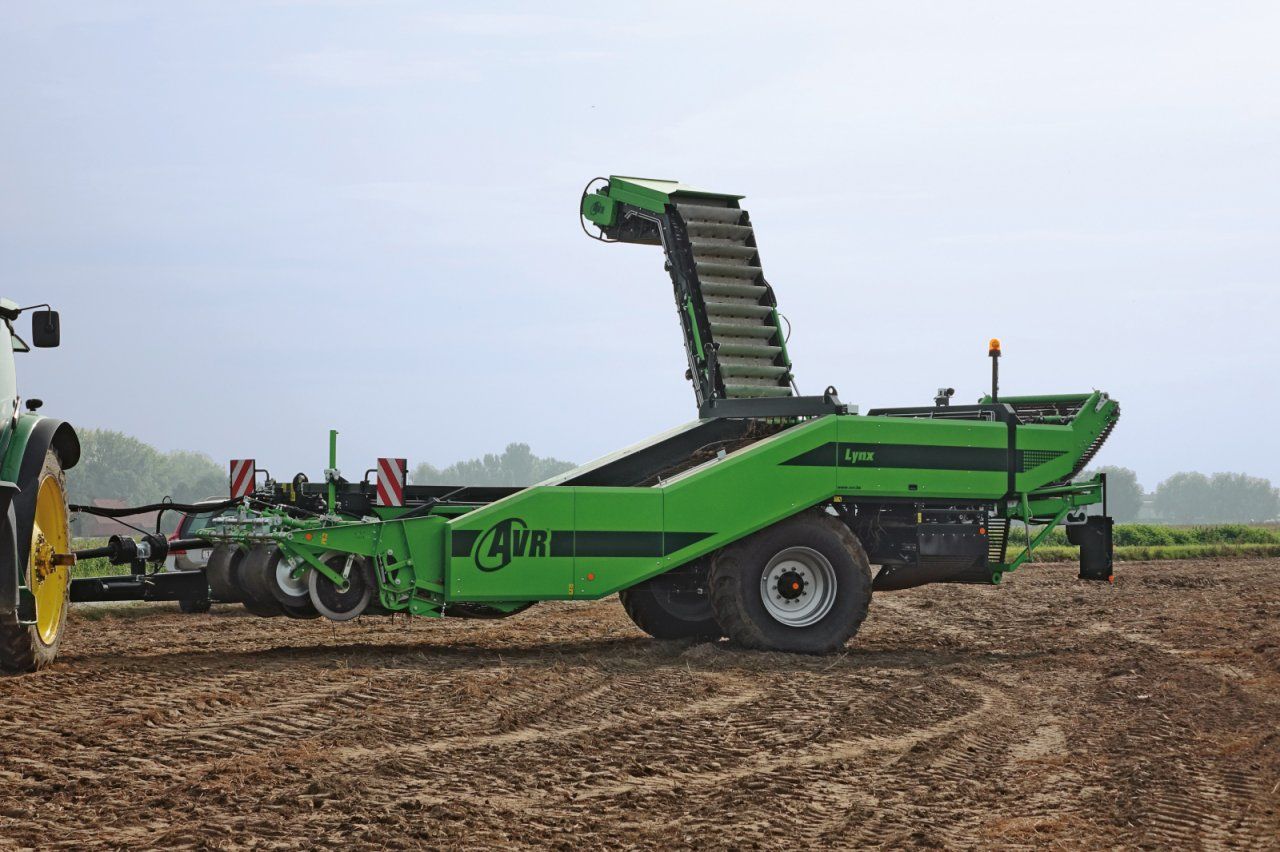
x=791, y=585
x=798, y=587
x=42, y=564
x=294, y=587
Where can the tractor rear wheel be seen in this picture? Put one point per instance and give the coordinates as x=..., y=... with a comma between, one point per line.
x=674, y=605
x=802, y=585
x=28, y=647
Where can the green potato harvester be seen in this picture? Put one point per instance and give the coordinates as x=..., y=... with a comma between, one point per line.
x=760, y=520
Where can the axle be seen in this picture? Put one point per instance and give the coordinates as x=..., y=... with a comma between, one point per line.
x=154, y=548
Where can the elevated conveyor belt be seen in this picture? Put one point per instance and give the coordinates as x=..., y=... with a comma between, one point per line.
x=732, y=330
x=730, y=298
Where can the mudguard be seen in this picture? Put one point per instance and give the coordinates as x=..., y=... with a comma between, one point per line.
x=33, y=436
x=8, y=554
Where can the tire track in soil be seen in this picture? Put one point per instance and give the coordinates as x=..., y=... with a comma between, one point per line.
x=778, y=773
x=1235, y=674
x=552, y=728
x=1196, y=803
x=339, y=712
x=1192, y=803
x=124, y=722
x=929, y=773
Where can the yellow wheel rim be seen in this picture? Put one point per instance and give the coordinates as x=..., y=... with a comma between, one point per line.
x=49, y=581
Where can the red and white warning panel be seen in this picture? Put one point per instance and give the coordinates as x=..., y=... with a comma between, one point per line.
x=242, y=471
x=391, y=476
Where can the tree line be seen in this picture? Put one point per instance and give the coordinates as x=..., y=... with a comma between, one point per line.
x=516, y=465
x=1192, y=498
x=117, y=466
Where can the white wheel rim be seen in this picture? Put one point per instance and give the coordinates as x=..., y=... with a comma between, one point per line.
x=294, y=587
x=315, y=578
x=798, y=587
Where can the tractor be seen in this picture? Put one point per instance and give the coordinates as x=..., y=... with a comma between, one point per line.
x=35, y=539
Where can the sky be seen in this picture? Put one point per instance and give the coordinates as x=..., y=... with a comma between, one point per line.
x=264, y=220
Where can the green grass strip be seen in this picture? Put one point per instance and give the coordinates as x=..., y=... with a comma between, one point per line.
x=1172, y=551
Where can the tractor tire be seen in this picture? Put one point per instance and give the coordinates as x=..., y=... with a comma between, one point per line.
x=255, y=576
x=194, y=606
x=218, y=572
x=674, y=605
x=802, y=585
x=29, y=647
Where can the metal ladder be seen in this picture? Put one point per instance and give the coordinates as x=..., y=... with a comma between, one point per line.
x=997, y=540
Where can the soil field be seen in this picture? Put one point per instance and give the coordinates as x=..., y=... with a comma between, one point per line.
x=1044, y=712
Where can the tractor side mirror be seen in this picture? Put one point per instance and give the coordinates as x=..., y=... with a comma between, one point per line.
x=46, y=329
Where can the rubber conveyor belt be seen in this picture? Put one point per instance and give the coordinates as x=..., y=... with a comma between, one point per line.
x=737, y=305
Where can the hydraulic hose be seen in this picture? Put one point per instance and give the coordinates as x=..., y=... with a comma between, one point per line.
x=104, y=512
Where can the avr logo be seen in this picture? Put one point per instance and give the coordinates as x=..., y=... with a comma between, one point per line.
x=506, y=540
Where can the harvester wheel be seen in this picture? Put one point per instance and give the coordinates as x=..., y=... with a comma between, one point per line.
x=341, y=603
x=28, y=647
x=304, y=612
x=217, y=572
x=193, y=606
x=801, y=585
x=255, y=576
x=291, y=592
x=674, y=605
x=259, y=577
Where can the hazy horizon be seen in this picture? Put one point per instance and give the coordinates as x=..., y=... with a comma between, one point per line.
x=261, y=221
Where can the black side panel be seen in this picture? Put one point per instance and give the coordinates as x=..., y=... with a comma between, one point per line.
x=917, y=543
x=1094, y=539
x=666, y=457
x=945, y=553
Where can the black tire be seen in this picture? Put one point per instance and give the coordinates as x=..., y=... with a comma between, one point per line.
x=22, y=648
x=217, y=572
x=342, y=604
x=674, y=605
x=267, y=589
x=294, y=600
x=836, y=576
x=302, y=613
x=255, y=575
x=195, y=606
